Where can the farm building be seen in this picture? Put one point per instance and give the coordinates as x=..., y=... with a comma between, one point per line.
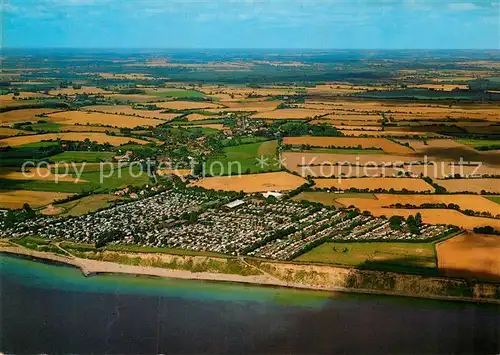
x=233, y=204
x=274, y=194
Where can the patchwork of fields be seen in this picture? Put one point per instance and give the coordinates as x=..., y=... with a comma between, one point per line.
x=388, y=138
x=398, y=184
x=95, y=137
x=105, y=119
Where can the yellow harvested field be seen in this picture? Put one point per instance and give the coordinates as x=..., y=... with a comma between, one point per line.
x=11, y=100
x=372, y=133
x=199, y=117
x=128, y=110
x=95, y=137
x=187, y=105
x=365, y=128
x=17, y=198
x=80, y=128
x=341, y=88
x=176, y=172
x=278, y=181
x=131, y=76
x=9, y=132
x=376, y=165
x=386, y=145
x=454, y=78
x=398, y=184
x=293, y=159
x=11, y=117
x=347, y=123
x=432, y=216
x=359, y=118
x=83, y=90
x=36, y=173
x=235, y=93
x=105, y=119
x=470, y=255
x=250, y=105
x=381, y=204
x=423, y=147
x=27, y=83
x=411, y=111
x=440, y=87
x=289, y=113
x=470, y=185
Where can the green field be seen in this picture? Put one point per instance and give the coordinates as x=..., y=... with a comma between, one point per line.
x=477, y=143
x=204, y=131
x=424, y=94
x=177, y=93
x=329, y=198
x=493, y=198
x=16, y=156
x=395, y=256
x=118, y=178
x=80, y=157
x=46, y=127
x=244, y=156
x=244, y=140
x=86, y=204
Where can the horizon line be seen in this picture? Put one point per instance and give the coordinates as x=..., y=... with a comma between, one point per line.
x=257, y=48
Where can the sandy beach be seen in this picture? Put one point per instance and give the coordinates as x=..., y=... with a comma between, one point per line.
x=93, y=267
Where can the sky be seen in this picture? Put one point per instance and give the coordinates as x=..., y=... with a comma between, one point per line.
x=339, y=24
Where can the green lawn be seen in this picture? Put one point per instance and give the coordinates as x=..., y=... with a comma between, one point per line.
x=378, y=255
x=80, y=157
x=244, y=157
x=329, y=198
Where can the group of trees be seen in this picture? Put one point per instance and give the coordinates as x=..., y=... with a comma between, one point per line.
x=12, y=217
x=293, y=128
x=486, y=230
x=413, y=222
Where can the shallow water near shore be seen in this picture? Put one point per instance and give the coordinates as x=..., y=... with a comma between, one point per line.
x=48, y=308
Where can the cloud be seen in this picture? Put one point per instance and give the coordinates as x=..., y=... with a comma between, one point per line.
x=462, y=6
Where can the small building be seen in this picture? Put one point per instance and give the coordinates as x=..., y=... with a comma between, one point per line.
x=125, y=157
x=274, y=194
x=233, y=204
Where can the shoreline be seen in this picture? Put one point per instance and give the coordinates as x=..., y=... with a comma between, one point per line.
x=89, y=268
